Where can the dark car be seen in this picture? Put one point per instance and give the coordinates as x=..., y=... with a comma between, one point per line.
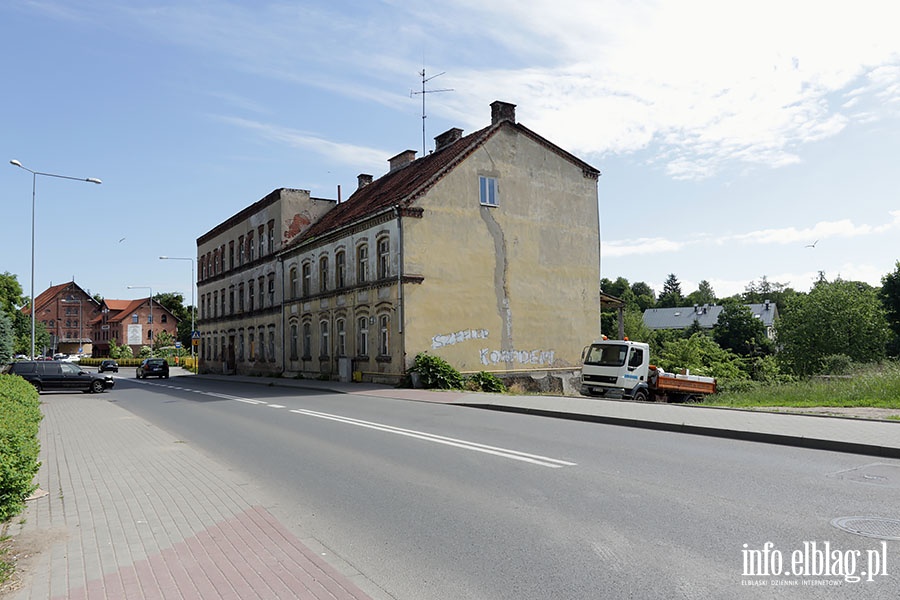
x=59, y=375
x=108, y=365
x=157, y=367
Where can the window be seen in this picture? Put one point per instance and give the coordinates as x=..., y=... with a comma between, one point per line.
x=339, y=269
x=323, y=274
x=262, y=291
x=215, y=263
x=231, y=255
x=307, y=340
x=223, y=302
x=271, y=289
x=215, y=304
x=134, y=319
x=362, y=263
x=240, y=352
x=250, y=295
x=250, y=246
x=294, y=335
x=261, y=346
x=271, y=343
x=162, y=319
x=307, y=276
x=202, y=267
x=241, y=297
x=341, y=349
x=150, y=317
x=222, y=267
x=384, y=324
x=231, y=300
x=241, y=250
x=487, y=187
x=271, y=237
x=323, y=338
x=293, y=282
x=384, y=258
x=252, y=345
x=362, y=336
x=262, y=240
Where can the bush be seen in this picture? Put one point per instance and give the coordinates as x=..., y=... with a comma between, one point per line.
x=20, y=417
x=485, y=382
x=436, y=372
x=836, y=364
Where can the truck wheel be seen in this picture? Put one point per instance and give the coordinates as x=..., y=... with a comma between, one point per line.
x=640, y=396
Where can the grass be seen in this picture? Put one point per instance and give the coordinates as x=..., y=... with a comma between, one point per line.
x=6, y=567
x=875, y=386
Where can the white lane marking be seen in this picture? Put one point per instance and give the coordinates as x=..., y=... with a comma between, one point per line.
x=276, y=406
x=537, y=459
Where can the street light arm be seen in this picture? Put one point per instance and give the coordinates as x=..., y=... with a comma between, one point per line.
x=87, y=179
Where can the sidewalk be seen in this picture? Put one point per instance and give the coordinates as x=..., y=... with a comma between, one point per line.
x=127, y=511
x=155, y=519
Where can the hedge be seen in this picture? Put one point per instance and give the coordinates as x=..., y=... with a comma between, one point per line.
x=20, y=418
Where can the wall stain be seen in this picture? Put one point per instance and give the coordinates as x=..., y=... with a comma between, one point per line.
x=501, y=283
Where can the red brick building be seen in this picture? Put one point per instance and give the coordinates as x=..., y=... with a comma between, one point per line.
x=132, y=322
x=67, y=311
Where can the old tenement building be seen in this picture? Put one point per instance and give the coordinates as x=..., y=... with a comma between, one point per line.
x=485, y=252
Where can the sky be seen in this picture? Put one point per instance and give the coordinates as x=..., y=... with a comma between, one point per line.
x=736, y=140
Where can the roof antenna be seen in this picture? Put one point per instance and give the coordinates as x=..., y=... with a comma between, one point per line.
x=423, y=92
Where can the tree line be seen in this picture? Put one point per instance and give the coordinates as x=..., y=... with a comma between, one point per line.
x=836, y=324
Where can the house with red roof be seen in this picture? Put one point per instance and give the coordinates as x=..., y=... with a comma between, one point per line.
x=485, y=252
x=66, y=310
x=133, y=322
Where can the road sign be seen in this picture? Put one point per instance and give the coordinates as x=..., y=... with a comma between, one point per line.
x=195, y=341
x=177, y=345
x=195, y=335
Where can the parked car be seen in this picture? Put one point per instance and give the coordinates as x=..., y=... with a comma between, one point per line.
x=59, y=375
x=157, y=367
x=108, y=365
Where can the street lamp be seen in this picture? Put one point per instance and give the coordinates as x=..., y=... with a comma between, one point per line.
x=192, y=293
x=146, y=287
x=34, y=175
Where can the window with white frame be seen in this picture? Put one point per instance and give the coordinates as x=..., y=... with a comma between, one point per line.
x=340, y=269
x=339, y=326
x=294, y=341
x=362, y=263
x=324, y=348
x=307, y=340
x=384, y=326
x=292, y=282
x=323, y=274
x=384, y=258
x=487, y=190
x=362, y=336
x=307, y=277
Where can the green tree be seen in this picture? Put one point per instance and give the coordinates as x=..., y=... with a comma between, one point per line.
x=10, y=293
x=739, y=331
x=671, y=294
x=757, y=292
x=163, y=340
x=890, y=298
x=634, y=326
x=7, y=338
x=174, y=303
x=703, y=295
x=838, y=317
x=644, y=296
x=22, y=328
x=702, y=356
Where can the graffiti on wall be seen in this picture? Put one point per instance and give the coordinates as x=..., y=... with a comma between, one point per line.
x=522, y=357
x=448, y=339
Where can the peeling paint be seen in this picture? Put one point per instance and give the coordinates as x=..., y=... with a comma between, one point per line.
x=296, y=225
x=448, y=339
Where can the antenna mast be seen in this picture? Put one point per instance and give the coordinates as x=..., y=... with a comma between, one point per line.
x=423, y=92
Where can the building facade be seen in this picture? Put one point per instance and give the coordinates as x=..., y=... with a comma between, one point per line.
x=240, y=282
x=485, y=252
x=67, y=311
x=135, y=323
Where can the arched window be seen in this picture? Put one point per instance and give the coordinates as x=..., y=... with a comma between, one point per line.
x=292, y=278
x=362, y=263
x=384, y=326
x=362, y=336
x=384, y=258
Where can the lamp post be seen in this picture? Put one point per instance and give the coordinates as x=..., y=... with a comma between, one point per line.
x=146, y=287
x=34, y=175
x=192, y=293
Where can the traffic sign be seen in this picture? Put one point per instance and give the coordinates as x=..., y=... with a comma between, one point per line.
x=195, y=335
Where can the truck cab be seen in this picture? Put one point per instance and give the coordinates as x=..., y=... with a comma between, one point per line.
x=615, y=367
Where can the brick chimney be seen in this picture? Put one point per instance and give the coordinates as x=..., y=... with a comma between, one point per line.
x=401, y=160
x=447, y=138
x=502, y=111
x=363, y=179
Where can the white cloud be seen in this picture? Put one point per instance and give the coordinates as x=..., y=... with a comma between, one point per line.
x=639, y=246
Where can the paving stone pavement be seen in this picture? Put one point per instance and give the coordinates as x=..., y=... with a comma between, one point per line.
x=131, y=512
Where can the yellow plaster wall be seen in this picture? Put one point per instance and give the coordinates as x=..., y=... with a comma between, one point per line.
x=515, y=286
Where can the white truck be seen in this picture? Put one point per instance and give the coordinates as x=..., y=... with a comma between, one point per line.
x=622, y=369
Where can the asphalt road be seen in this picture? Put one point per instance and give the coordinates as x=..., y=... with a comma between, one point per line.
x=507, y=506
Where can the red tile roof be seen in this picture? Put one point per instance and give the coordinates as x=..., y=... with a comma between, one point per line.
x=403, y=186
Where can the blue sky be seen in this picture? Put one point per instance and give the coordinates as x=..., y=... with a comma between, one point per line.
x=730, y=135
